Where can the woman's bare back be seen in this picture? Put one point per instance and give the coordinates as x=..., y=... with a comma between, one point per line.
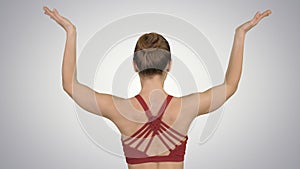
x=178, y=115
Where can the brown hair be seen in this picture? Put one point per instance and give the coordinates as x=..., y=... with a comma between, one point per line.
x=151, y=54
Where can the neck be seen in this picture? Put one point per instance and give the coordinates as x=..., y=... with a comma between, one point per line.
x=151, y=84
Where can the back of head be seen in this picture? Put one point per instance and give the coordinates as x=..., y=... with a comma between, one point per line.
x=151, y=54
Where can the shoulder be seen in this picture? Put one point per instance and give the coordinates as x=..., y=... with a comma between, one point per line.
x=189, y=101
x=188, y=106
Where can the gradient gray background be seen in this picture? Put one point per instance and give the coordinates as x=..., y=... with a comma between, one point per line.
x=38, y=124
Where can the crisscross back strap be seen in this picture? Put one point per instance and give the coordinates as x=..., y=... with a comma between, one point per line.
x=137, y=145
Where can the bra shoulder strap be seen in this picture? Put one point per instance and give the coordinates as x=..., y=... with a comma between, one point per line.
x=146, y=108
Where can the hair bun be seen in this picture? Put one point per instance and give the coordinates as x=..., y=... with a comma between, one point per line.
x=151, y=38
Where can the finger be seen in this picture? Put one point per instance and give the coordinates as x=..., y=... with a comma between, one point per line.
x=55, y=12
x=266, y=13
x=47, y=10
x=255, y=19
x=257, y=15
x=51, y=14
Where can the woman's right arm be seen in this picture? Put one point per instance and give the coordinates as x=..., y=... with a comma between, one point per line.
x=88, y=99
x=215, y=97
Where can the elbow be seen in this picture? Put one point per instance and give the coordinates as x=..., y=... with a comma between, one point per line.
x=68, y=89
x=231, y=89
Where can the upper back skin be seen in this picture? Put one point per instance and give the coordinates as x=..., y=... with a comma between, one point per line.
x=179, y=114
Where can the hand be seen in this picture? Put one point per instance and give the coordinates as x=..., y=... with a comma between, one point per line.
x=254, y=21
x=62, y=21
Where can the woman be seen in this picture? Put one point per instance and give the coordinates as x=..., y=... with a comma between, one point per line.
x=153, y=124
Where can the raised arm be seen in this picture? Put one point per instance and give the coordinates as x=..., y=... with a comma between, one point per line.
x=215, y=97
x=85, y=97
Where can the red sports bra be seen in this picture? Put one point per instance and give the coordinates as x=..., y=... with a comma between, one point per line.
x=155, y=127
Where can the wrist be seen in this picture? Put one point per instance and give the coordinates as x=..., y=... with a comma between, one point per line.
x=71, y=30
x=240, y=32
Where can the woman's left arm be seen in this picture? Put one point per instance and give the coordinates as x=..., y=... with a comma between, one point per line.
x=85, y=97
